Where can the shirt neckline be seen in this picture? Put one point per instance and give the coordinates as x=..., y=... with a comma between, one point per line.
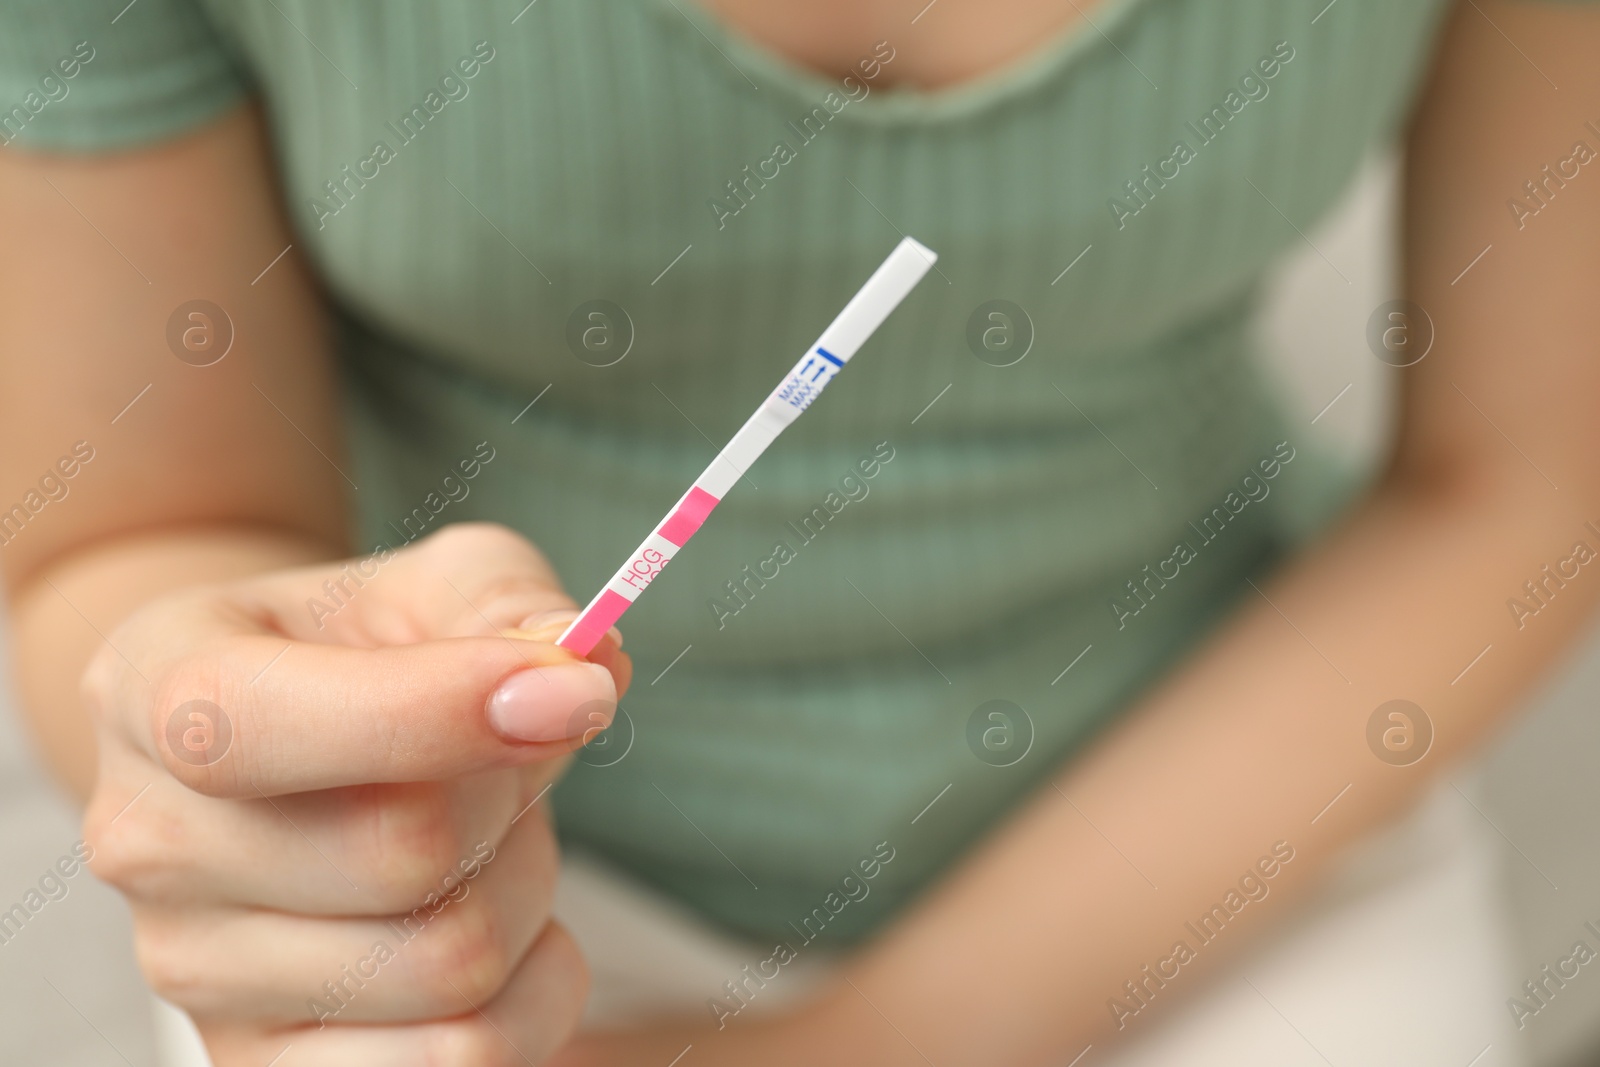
x=749, y=63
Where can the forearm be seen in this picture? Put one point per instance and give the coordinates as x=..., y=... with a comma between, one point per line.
x=205, y=464
x=1015, y=958
x=1239, y=750
x=61, y=613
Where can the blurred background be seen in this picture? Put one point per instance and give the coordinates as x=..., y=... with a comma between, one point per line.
x=70, y=993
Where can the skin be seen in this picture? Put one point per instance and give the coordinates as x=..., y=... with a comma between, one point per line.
x=964, y=42
x=363, y=769
x=195, y=537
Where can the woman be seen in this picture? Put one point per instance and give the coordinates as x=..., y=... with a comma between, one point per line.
x=1027, y=670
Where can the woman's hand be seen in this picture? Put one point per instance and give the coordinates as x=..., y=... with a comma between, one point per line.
x=319, y=790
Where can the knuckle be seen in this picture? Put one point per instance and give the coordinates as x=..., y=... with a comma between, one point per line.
x=98, y=684
x=116, y=862
x=105, y=681
x=468, y=955
x=191, y=677
x=167, y=968
x=179, y=683
x=103, y=845
x=414, y=843
x=466, y=1044
x=122, y=851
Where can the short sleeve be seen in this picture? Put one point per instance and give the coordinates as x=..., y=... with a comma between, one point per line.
x=100, y=75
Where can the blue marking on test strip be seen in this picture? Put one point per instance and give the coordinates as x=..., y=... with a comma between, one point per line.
x=830, y=357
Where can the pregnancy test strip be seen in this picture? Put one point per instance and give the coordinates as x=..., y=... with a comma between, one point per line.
x=865, y=312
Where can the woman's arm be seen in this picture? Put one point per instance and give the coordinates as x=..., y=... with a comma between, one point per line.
x=240, y=742
x=1014, y=959
x=201, y=478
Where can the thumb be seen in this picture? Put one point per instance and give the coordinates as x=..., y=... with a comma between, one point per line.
x=546, y=626
x=466, y=580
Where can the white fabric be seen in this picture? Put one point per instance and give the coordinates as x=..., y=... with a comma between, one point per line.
x=1398, y=962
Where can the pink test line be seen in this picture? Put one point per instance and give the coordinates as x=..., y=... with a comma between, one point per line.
x=682, y=523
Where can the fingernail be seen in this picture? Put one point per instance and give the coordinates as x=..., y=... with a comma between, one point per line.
x=549, y=625
x=542, y=704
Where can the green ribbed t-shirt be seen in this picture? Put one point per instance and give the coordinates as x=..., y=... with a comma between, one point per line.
x=595, y=235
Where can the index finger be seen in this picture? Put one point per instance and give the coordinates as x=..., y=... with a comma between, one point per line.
x=321, y=716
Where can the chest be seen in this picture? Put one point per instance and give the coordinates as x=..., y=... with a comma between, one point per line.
x=946, y=42
x=470, y=180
